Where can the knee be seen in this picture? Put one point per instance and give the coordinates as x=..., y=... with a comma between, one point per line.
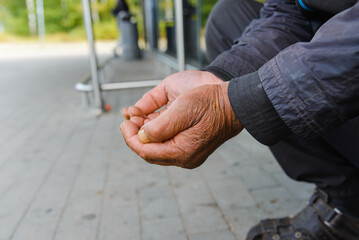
x=216, y=36
x=226, y=22
x=219, y=10
x=212, y=29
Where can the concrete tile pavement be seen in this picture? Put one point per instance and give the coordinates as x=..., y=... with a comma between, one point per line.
x=68, y=175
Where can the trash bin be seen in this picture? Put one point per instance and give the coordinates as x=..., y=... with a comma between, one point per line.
x=127, y=46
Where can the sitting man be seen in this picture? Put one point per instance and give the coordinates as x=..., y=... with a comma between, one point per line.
x=288, y=72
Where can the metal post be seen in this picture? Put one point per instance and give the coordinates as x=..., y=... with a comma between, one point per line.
x=180, y=35
x=31, y=16
x=93, y=58
x=40, y=20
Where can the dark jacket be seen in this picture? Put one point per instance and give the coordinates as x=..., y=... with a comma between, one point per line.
x=293, y=73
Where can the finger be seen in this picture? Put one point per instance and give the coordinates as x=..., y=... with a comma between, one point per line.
x=131, y=111
x=125, y=113
x=135, y=111
x=139, y=121
x=156, y=153
x=152, y=116
x=166, y=125
x=129, y=129
x=153, y=100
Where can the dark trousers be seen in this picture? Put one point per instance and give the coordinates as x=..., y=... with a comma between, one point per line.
x=331, y=161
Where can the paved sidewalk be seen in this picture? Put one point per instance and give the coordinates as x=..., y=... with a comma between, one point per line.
x=67, y=175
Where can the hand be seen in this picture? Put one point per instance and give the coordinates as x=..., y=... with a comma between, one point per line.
x=168, y=90
x=184, y=135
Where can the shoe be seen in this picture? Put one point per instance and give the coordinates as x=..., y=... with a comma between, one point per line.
x=317, y=221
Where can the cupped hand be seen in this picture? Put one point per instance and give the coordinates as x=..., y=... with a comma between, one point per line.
x=168, y=90
x=192, y=127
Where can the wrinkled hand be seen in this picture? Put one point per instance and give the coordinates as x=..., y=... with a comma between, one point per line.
x=188, y=131
x=168, y=90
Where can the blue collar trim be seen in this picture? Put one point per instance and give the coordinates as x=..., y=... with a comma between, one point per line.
x=301, y=3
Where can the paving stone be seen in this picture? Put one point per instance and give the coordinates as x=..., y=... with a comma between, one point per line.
x=35, y=153
x=151, y=174
x=252, y=147
x=223, y=235
x=49, y=188
x=254, y=177
x=235, y=154
x=191, y=194
x=119, y=222
x=231, y=193
x=32, y=174
x=277, y=202
x=242, y=219
x=41, y=227
x=301, y=190
x=9, y=217
x=41, y=220
x=158, y=202
x=189, y=186
x=217, y=167
x=122, y=180
x=198, y=208
x=271, y=167
x=164, y=229
x=122, y=191
x=82, y=212
x=181, y=176
x=15, y=131
x=160, y=207
x=13, y=144
x=204, y=218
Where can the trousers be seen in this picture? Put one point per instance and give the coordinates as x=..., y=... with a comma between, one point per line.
x=331, y=162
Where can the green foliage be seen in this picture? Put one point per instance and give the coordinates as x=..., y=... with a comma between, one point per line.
x=106, y=30
x=11, y=15
x=61, y=17
x=64, y=17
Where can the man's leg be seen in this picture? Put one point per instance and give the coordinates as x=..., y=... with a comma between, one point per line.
x=331, y=162
x=227, y=21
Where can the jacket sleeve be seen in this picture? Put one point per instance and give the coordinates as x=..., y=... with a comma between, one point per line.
x=281, y=24
x=314, y=86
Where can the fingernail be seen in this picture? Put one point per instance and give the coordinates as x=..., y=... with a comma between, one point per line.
x=142, y=136
x=122, y=113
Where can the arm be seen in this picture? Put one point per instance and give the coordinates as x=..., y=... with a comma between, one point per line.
x=307, y=89
x=281, y=25
x=314, y=86
x=310, y=86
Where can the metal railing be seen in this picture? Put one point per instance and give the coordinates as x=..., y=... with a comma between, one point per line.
x=91, y=83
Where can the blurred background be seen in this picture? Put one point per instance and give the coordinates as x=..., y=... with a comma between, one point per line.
x=62, y=21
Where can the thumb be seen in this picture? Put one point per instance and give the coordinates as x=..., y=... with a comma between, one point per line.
x=153, y=99
x=168, y=124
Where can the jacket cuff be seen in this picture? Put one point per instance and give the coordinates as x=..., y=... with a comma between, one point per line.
x=254, y=110
x=231, y=64
x=219, y=72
